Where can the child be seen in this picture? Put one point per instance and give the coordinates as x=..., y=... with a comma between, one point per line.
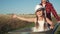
x=40, y=21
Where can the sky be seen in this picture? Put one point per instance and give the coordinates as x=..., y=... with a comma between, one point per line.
x=23, y=6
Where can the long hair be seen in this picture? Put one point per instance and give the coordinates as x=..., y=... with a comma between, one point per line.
x=45, y=24
x=37, y=24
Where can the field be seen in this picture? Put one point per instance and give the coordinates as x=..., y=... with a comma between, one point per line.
x=7, y=23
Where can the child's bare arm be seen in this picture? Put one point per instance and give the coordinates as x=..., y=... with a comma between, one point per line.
x=50, y=22
x=25, y=19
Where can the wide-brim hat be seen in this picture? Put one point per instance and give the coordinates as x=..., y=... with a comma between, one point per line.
x=39, y=7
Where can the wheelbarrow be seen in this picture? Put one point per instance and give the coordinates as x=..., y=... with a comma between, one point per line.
x=45, y=32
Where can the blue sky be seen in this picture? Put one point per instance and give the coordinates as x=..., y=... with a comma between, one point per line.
x=23, y=6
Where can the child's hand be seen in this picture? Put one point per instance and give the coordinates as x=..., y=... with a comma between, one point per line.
x=51, y=27
x=14, y=16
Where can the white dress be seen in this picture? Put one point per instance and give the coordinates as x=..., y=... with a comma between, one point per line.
x=41, y=27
